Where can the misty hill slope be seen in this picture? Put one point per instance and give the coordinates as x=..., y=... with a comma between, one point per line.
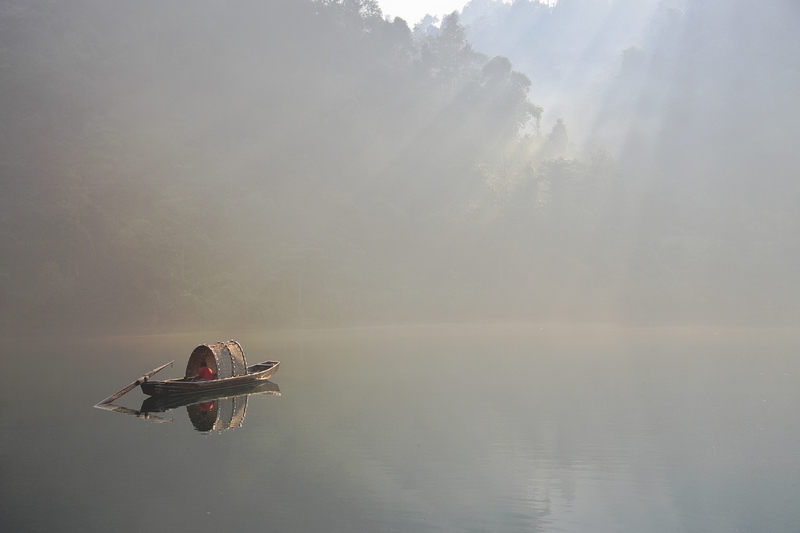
x=294, y=162
x=714, y=77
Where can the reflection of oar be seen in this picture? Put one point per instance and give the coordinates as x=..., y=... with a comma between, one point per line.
x=132, y=385
x=120, y=409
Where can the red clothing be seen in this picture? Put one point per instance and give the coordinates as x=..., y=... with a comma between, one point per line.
x=206, y=373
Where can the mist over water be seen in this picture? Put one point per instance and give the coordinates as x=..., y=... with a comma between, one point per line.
x=514, y=427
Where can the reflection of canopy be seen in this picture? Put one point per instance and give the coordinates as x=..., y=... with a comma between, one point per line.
x=218, y=415
x=225, y=359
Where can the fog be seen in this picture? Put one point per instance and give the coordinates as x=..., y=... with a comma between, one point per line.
x=246, y=163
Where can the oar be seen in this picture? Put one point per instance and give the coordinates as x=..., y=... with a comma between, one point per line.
x=132, y=385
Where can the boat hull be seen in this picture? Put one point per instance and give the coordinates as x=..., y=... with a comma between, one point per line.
x=255, y=373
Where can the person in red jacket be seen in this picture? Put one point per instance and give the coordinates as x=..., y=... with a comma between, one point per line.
x=206, y=373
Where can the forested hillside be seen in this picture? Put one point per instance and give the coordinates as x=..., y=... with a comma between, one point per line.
x=247, y=163
x=699, y=101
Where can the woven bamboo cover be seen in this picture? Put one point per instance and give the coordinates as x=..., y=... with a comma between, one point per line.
x=225, y=359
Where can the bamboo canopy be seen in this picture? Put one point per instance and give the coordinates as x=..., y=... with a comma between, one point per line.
x=225, y=359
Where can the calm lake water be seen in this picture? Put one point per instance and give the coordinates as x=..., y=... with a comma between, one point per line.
x=442, y=429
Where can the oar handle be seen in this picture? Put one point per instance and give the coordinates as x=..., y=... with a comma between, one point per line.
x=136, y=383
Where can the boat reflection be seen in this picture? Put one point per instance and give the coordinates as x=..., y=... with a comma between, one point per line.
x=215, y=410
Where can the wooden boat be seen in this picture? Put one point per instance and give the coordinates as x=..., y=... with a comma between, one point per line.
x=225, y=359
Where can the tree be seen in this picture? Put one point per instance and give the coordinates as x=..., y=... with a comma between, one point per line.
x=557, y=141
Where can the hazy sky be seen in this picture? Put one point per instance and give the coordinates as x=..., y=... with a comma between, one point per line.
x=412, y=11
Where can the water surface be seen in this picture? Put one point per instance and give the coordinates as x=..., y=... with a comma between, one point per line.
x=441, y=429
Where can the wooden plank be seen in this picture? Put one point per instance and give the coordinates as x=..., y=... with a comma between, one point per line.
x=136, y=383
